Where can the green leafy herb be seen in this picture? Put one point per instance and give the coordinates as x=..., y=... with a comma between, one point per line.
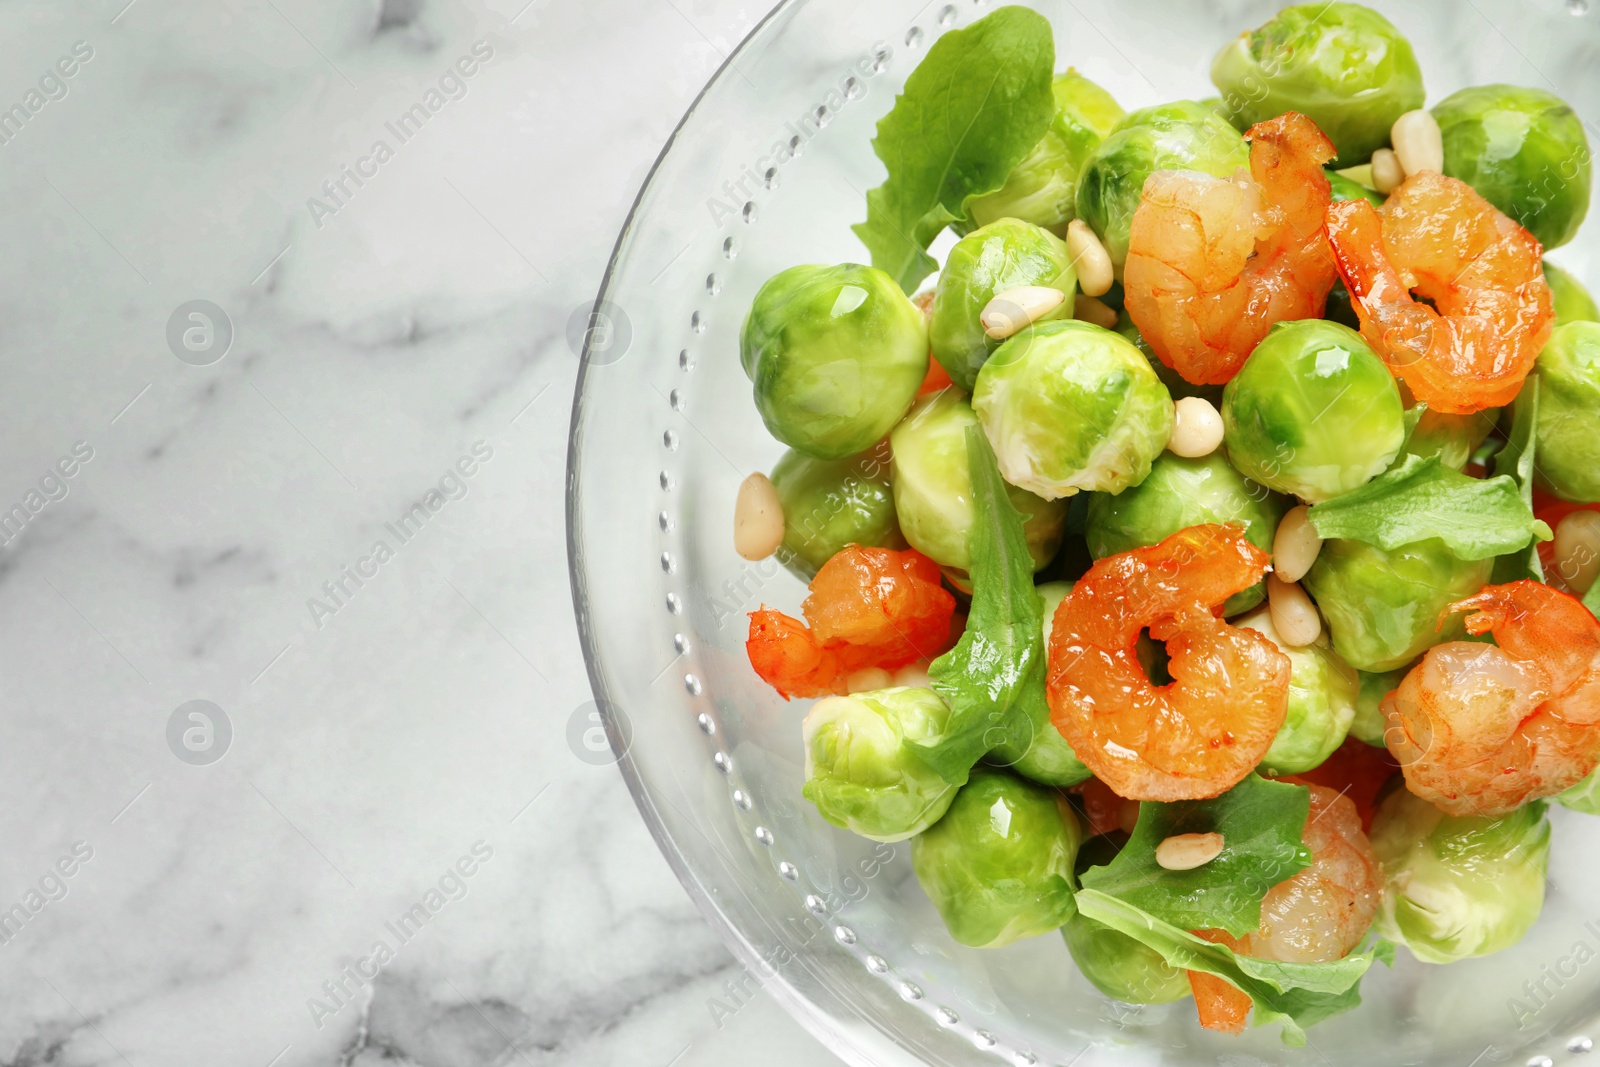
x=993, y=679
x=1261, y=823
x=1515, y=461
x=1296, y=994
x=1423, y=499
x=971, y=111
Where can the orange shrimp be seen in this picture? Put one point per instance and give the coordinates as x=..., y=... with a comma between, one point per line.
x=1481, y=271
x=1357, y=770
x=1321, y=913
x=1483, y=729
x=1199, y=735
x=868, y=607
x=1214, y=263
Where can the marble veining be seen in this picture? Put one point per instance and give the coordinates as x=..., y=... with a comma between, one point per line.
x=370, y=729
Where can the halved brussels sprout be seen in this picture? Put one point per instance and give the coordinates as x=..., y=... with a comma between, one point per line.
x=1524, y=151
x=1313, y=412
x=1183, y=135
x=1070, y=406
x=1343, y=66
x=1383, y=607
x=1369, y=724
x=1572, y=300
x=1322, y=701
x=1179, y=493
x=933, y=487
x=998, y=866
x=836, y=354
x=1458, y=886
x=1049, y=759
x=830, y=503
x=1043, y=188
x=858, y=771
x=1002, y=255
x=1120, y=967
x=1567, y=431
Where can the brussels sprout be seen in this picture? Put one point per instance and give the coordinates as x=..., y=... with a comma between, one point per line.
x=1177, y=494
x=1313, y=412
x=1120, y=967
x=1383, y=607
x=1524, y=151
x=858, y=772
x=1000, y=256
x=836, y=354
x=1453, y=438
x=1069, y=406
x=1043, y=188
x=1049, y=759
x=1585, y=796
x=1346, y=188
x=1183, y=135
x=1458, y=886
x=1573, y=302
x=1567, y=431
x=830, y=503
x=1369, y=724
x=933, y=487
x=998, y=866
x=1344, y=66
x=1322, y=701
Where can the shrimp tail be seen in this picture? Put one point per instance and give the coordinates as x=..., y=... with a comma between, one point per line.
x=1287, y=154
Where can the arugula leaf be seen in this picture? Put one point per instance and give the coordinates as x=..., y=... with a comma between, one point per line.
x=1261, y=823
x=972, y=110
x=1515, y=461
x=1422, y=499
x=1295, y=994
x=993, y=679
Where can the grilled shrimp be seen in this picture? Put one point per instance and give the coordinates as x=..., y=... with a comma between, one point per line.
x=1199, y=735
x=1492, y=309
x=1483, y=729
x=1321, y=913
x=1213, y=263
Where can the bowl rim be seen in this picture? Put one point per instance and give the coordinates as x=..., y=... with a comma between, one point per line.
x=818, y=1023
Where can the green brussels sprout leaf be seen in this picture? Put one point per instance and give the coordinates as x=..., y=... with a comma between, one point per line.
x=974, y=108
x=1295, y=994
x=1260, y=822
x=1423, y=499
x=1516, y=461
x=1585, y=796
x=1591, y=599
x=993, y=679
x=1572, y=301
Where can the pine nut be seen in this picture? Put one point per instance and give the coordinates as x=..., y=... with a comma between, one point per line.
x=924, y=303
x=1577, y=548
x=1088, y=309
x=1295, y=546
x=757, y=518
x=912, y=676
x=1294, y=616
x=1196, y=428
x=1418, y=144
x=868, y=680
x=1016, y=308
x=1089, y=258
x=1387, y=174
x=1185, y=852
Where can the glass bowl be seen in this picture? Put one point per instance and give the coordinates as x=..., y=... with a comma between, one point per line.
x=768, y=169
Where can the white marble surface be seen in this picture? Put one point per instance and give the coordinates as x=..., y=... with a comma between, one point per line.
x=414, y=724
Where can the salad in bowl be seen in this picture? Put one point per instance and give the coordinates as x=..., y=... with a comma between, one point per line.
x=1201, y=550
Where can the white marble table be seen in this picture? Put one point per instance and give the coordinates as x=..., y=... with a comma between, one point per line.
x=370, y=842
